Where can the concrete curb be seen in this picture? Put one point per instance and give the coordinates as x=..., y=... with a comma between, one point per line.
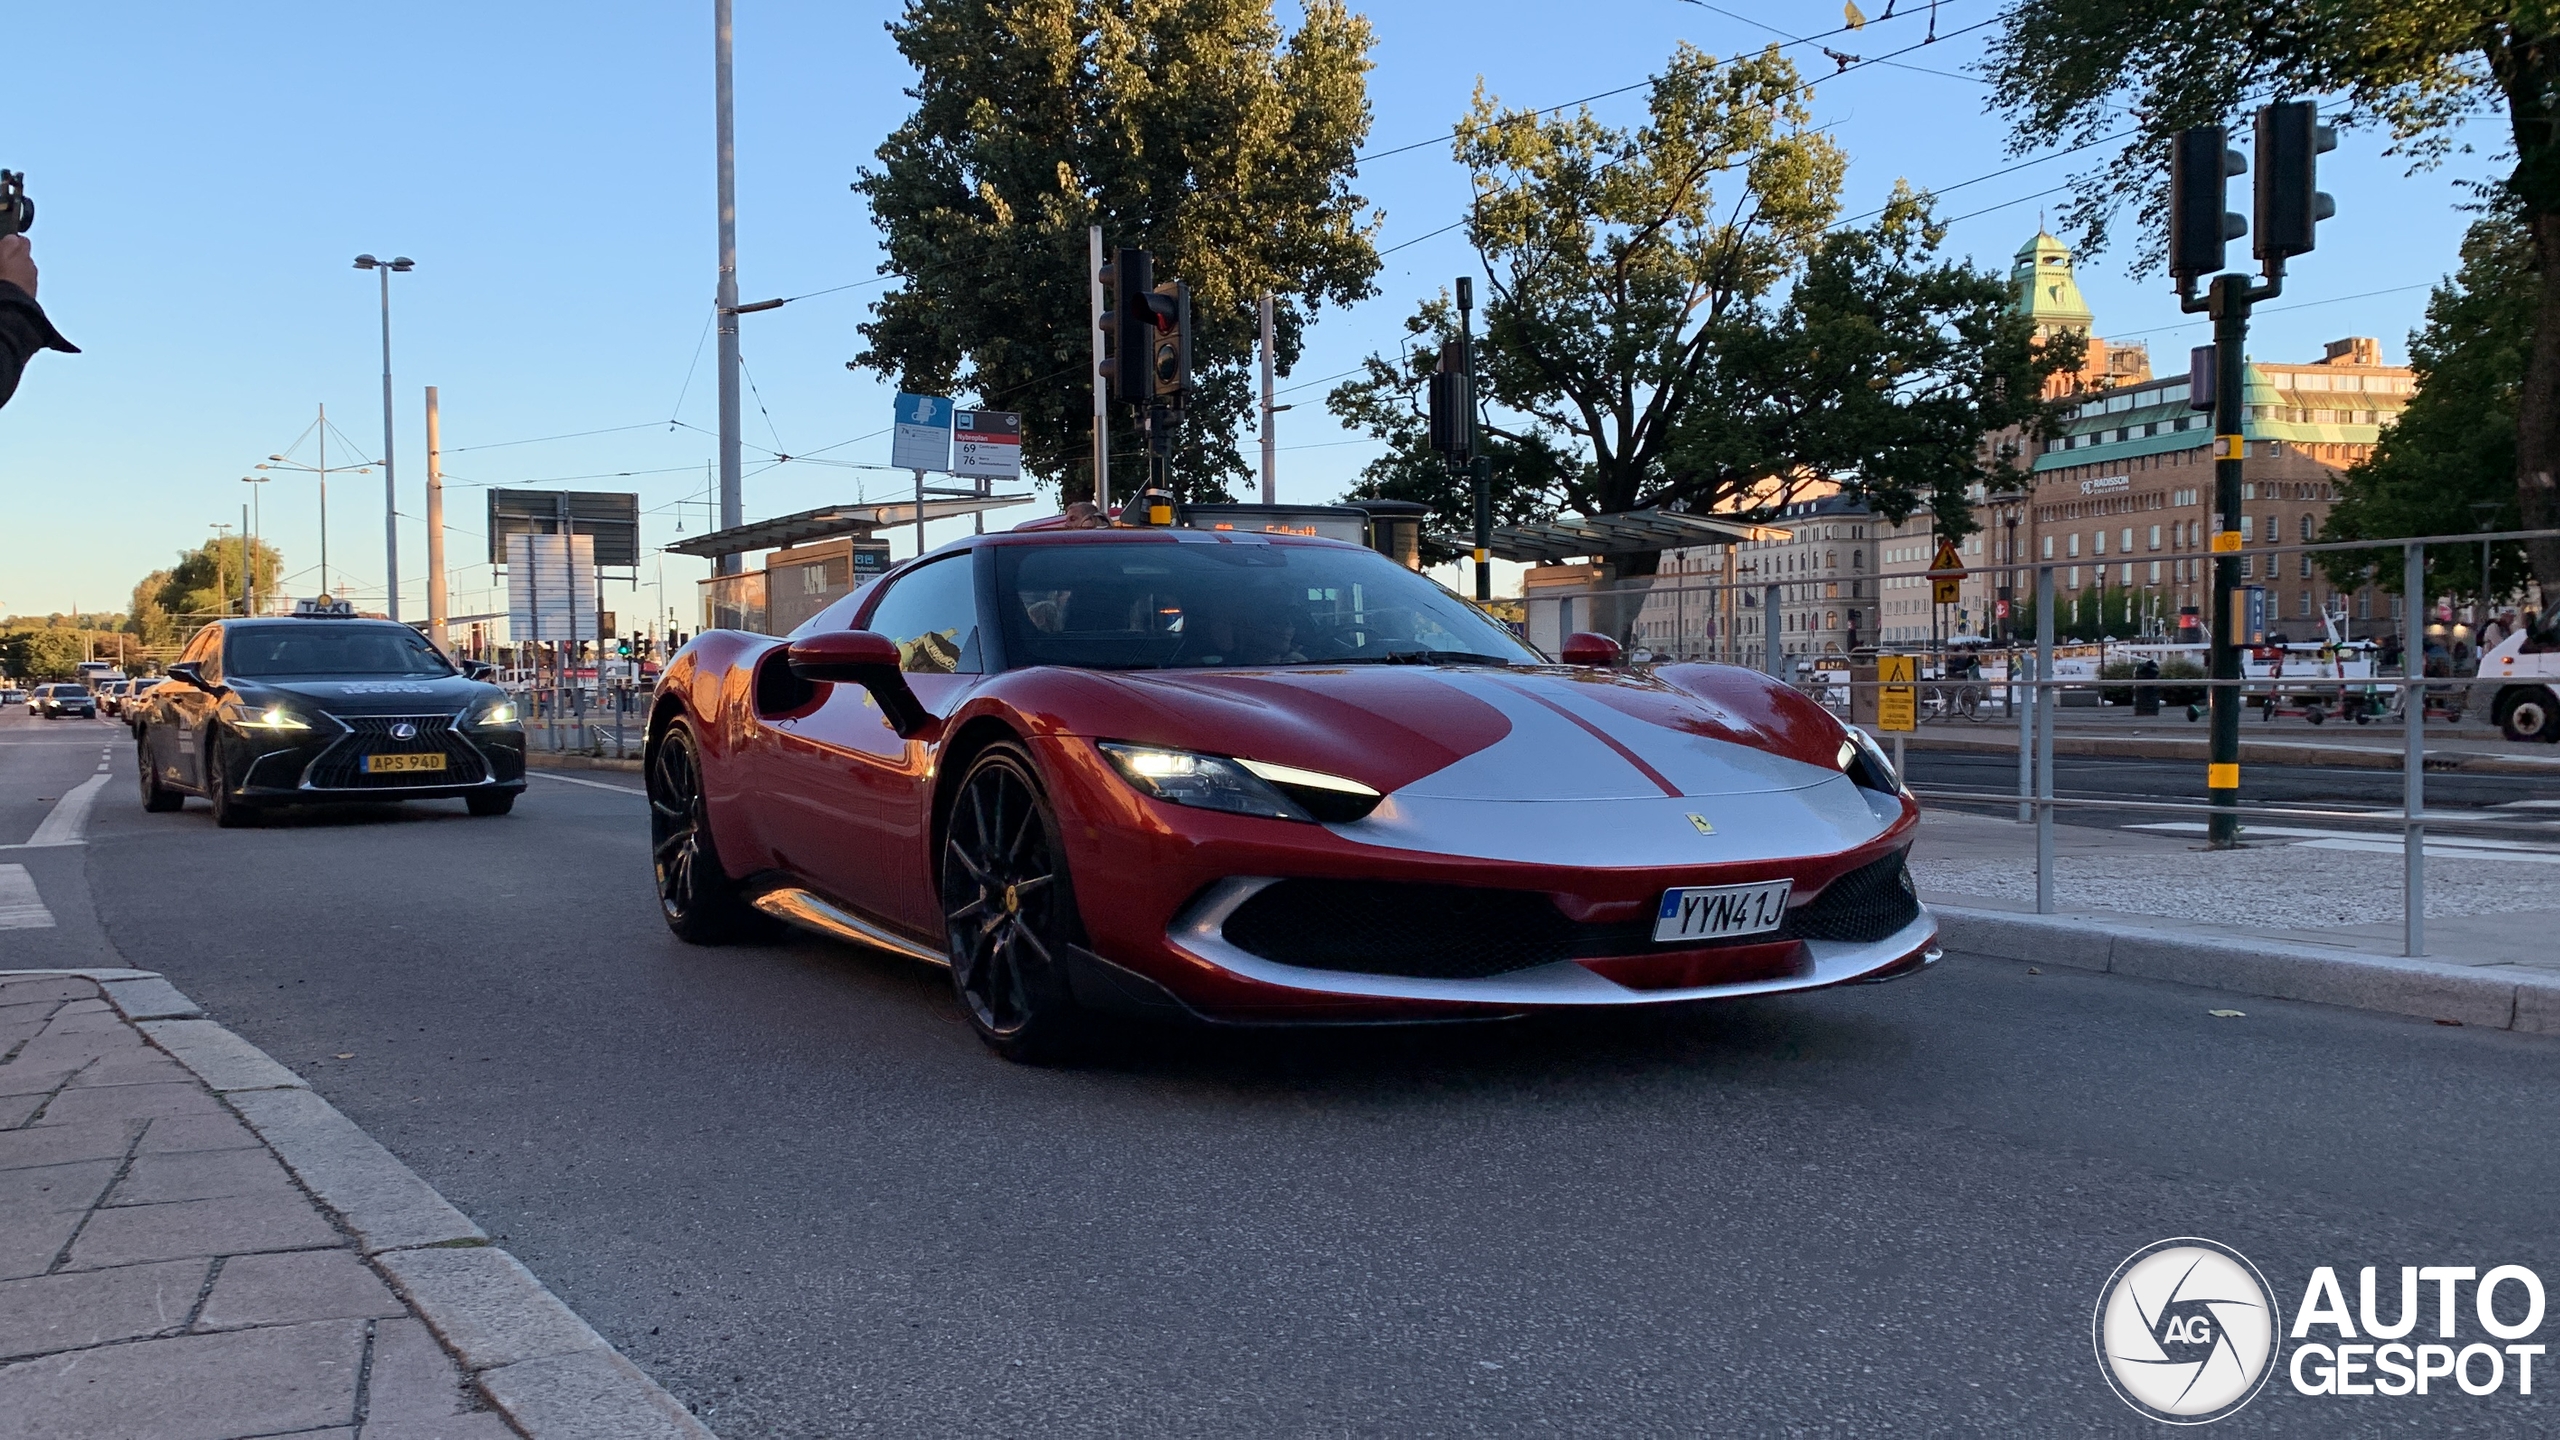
x=2498, y=996
x=2252, y=752
x=547, y=1371
x=549, y=760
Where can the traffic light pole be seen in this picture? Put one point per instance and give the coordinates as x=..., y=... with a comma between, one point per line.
x=2229, y=302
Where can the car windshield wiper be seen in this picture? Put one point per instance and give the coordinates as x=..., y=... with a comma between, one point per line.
x=1426, y=657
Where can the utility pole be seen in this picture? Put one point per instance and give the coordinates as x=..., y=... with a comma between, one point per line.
x=1270, y=435
x=1101, y=406
x=2289, y=139
x=732, y=482
x=248, y=561
x=436, y=608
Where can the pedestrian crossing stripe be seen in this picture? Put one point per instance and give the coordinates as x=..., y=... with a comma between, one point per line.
x=20, y=907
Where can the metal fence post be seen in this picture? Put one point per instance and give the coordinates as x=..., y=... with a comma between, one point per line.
x=2413, y=762
x=2047, y=701
x=1775, y=652
x=2022, y=702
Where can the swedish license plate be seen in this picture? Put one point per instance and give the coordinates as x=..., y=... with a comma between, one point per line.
x=393, y=764
x=1720, y=912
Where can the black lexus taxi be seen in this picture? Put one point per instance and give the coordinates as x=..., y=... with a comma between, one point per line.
x=323, y=707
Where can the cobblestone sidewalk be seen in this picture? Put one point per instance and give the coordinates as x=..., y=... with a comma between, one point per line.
x=163, y=1276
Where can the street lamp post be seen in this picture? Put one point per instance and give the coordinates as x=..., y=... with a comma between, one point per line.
x=390, y=490
x=249, y=553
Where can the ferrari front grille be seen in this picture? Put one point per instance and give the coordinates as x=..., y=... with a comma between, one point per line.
x=1462, y=932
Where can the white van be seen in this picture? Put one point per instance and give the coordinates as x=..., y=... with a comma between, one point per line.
x=2518, y=685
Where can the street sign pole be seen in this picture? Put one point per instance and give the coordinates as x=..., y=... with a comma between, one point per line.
x=2229, y=301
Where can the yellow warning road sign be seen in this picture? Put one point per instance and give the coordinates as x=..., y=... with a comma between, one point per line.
x=1897, y=703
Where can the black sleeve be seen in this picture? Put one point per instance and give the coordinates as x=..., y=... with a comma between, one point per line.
x=23, y=331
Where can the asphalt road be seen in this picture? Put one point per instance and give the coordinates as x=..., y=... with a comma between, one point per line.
x=789, y=1183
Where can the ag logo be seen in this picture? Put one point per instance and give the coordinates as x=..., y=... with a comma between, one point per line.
x=2185, y=1331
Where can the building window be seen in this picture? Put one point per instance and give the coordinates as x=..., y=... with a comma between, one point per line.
x=2307, y=528
x=2126, y=576
x=2097, y=542
x=2075, y=578
x=2048, y=547
x=2364, y=604
x=2075, y=550
x=2155, y=537
x=2155, y=572
x=2248, y=528
x=2248, y=567
x=2305, y=610
x=2306, y=561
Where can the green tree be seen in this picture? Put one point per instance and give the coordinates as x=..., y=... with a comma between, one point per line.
x=1197, y=129
x=1653, y=341
x=206, y=580
x=147, y=618
x=2450, y=459
x=2079, y=72
x=31, y=655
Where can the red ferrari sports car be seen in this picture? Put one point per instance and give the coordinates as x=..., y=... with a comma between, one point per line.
x=1263, y=778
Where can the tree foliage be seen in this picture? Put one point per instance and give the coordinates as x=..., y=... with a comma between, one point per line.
x=1197, y=129
x=1678, y=319
x=2449, y=464
x=2083, y=72
x=33, y=655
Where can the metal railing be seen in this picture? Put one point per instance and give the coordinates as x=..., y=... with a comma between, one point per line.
x=590, y=718
x=2034, y=697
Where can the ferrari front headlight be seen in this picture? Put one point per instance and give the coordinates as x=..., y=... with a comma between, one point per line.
x=1240, y=787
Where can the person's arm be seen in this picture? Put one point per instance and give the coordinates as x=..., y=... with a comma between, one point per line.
x=23, y=327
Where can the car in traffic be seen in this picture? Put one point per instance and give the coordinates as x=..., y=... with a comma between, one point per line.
x=324, y=708
x=110, y=695
x=12, y=695
x=63, y=700
x=129, y=705
x=1263, y=778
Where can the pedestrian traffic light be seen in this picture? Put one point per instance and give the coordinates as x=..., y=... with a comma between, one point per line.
x=1451, y=400
x=1128, y=281
x=1169, y=305
x=2201, y=163
x=2290, y=141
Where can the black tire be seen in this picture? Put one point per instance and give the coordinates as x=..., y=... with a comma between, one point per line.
x=156, y=798
x=491, y=804
x=229, y=811
x=1009, y=911
x=696, y=897
x=2532, y=715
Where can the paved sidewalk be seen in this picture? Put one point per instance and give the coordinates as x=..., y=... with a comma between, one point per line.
x=160, y=1273
x=2298, y=912
x=193, y=1246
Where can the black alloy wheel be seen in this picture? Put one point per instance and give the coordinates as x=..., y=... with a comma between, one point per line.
x=699, y=901
x=1009, y=911
x=229, y=811
x=156, y=797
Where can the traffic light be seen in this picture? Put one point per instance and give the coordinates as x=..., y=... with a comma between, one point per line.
x=2200, y=163
x=2290, y=141
x=1169, y=305
x=1451, y=400
x=1128, y=280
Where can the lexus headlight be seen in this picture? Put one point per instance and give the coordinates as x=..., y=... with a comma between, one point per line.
x=1240, y=787
x=274, y=717
x=502, y=713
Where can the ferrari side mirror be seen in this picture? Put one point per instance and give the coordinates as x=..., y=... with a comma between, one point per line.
x=867, y=659
x=1582, y=647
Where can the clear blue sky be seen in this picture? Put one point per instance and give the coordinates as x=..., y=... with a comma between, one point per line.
x=205, y=174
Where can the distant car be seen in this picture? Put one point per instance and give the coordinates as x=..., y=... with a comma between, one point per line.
x=56, y=701
x=130, y=706
x=12, y=695
x=326, y=708
x=110, y=694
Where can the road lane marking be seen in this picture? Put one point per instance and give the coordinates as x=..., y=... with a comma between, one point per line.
x=70, y=816
x=20, y=909
x=590, y=784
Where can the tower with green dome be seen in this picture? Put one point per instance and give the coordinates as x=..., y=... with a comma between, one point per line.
x=2041, y=288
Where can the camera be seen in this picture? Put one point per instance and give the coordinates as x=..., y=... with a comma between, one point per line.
x=17, y=212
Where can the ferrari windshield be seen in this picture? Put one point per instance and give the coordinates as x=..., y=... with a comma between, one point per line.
x=322, y=647
x=1149, y=605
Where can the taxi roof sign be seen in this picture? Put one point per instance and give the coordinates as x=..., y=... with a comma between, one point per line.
x=325, y=608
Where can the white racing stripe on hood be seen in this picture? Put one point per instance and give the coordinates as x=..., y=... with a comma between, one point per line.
x=1605, y=834
x=1549, y=757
